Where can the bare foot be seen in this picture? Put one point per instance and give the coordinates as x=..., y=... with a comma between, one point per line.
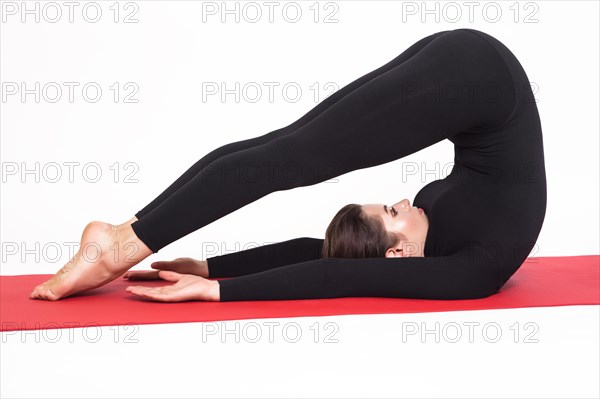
x=127, y=223
x=106, y=252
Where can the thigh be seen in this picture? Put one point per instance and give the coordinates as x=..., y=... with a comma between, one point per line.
x=403, y=110
x=320, y=108
x=355, y=84
x=325, y=104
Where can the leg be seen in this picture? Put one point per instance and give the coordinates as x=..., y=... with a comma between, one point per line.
x=253, y=142
x=376, y=123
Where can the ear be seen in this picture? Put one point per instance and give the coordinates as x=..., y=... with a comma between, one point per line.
x=394, y=252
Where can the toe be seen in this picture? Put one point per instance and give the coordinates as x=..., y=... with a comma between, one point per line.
x=51, y=295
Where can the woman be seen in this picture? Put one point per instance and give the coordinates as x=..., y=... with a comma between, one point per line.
x=464, y=237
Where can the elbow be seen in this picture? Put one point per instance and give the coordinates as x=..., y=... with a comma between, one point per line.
x=481, y=293
x=484, y=286
x=474, y=284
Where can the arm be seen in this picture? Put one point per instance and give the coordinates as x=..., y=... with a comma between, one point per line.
x=464, y=275
x=265, y=257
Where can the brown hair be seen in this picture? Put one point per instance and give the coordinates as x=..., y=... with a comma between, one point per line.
x=354, y=234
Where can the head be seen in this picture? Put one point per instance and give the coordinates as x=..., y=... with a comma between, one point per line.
x=376, y=230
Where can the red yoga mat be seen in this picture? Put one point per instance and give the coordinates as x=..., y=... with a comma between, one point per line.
x=541, y=281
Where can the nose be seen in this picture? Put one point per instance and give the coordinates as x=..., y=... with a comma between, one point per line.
x=404, y=204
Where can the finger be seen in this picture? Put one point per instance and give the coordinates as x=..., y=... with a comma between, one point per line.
x=145, y=290
x=134, y=276
x=173, y=265
x=169, y=276
x=141, y=275
x=162, y=264
x=148, y=292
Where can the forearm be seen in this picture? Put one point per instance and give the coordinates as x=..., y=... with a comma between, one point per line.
x=265, y=257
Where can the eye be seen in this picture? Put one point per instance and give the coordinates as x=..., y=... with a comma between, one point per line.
x=394, y=212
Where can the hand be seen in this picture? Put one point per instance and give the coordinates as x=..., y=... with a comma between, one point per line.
x=179, y=265
x=186, y=288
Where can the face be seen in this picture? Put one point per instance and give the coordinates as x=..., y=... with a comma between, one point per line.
x=402, y=218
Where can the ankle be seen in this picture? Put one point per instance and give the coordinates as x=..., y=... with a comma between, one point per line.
x=128, y=223
x=132, y=245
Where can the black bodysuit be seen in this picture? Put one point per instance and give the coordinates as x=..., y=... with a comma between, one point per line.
x=484, y=217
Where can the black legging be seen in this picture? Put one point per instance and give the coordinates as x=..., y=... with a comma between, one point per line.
x=485, y=216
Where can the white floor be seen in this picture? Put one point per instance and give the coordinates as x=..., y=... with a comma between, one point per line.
x=548, y=352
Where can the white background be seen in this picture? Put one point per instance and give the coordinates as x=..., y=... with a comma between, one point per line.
x=169, y=54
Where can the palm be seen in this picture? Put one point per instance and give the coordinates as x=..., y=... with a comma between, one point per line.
x=187, y=287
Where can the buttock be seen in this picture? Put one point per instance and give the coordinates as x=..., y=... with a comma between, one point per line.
x=522, y=85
